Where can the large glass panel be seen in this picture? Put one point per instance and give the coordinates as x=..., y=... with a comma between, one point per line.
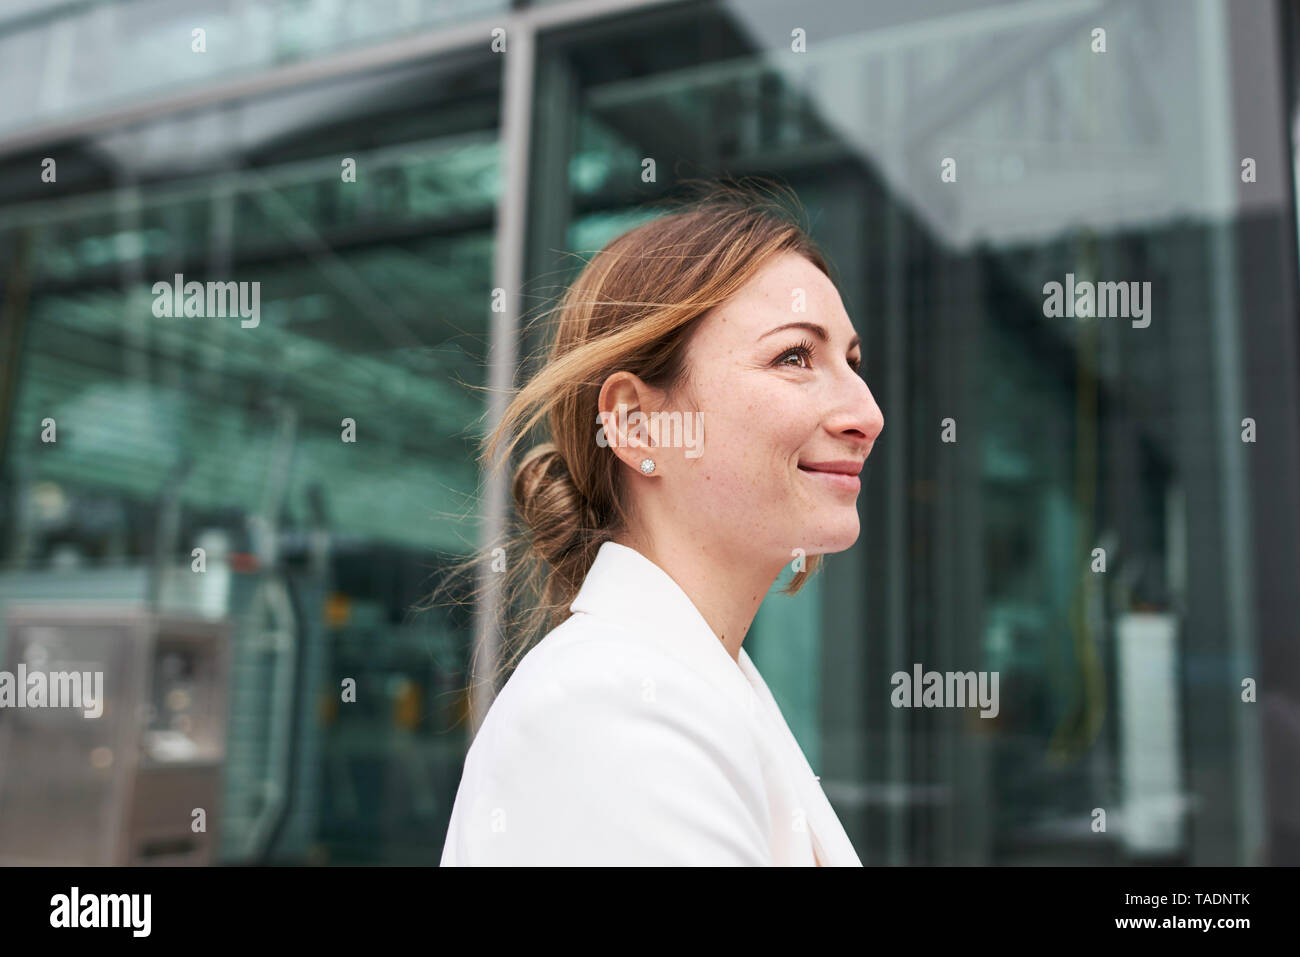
x=63, y=60
x=1093, y=498
x=307, y=418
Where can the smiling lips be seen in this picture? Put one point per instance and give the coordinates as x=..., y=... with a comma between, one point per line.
x=841, y=475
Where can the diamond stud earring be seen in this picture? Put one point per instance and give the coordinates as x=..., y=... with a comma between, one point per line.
x=647, y=466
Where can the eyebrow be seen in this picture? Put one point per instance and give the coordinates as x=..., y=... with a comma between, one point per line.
x=818, y=331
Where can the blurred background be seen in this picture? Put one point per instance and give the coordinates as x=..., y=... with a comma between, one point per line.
x=475, y=170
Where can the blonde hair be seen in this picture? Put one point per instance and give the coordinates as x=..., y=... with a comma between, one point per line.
x=633, y=307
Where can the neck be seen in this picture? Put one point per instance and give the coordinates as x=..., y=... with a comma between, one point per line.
x=727, y=592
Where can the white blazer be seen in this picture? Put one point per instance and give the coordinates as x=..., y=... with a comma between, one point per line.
x=629, y=736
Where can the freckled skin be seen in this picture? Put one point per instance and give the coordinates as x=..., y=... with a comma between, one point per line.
x=764, y=410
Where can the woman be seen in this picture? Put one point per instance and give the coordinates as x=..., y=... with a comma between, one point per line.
x=708, y=423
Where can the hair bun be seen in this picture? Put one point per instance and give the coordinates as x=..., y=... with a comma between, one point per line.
x=549, y=502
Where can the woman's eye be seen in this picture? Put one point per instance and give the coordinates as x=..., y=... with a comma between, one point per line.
x=797, y=355
x=803, y=351
x=802, y=355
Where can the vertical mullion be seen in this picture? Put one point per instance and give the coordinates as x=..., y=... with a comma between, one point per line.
x=507, y=275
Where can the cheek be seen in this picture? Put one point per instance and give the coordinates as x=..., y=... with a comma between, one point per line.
x=751, y=448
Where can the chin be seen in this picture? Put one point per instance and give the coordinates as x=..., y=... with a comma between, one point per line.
x=834, y=536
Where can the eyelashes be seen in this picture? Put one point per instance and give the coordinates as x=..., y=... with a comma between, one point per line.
x=806, y=350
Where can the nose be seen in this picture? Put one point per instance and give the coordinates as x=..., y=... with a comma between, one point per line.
x=857, y=416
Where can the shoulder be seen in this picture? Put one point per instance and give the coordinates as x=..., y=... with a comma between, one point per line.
x=601, y=748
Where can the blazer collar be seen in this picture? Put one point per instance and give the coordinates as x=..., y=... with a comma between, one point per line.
x=632, y=591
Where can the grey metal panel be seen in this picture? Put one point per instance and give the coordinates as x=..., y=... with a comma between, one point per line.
x=119, y=787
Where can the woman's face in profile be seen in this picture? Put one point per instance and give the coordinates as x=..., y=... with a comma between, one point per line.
x=787, y=419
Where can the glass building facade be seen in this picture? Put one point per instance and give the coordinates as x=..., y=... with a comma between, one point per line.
x=1104, y=510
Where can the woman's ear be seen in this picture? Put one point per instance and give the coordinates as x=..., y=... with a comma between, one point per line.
x=625, y=407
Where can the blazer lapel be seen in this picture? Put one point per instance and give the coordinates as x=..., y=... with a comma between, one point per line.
x=832, y=844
